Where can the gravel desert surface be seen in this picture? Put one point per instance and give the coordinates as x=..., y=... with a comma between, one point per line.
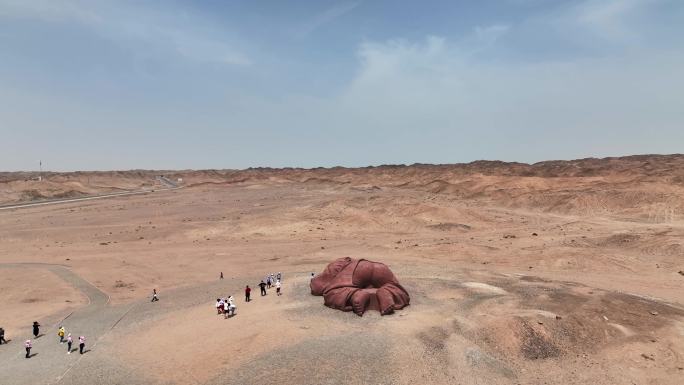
x=561, y=272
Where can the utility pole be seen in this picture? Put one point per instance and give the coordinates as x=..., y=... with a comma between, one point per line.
x=40, y=167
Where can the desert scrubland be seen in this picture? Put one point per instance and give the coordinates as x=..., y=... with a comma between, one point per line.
x=565, y=272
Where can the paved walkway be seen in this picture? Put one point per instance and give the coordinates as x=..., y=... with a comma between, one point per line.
x=50, y=362
x=52, y=365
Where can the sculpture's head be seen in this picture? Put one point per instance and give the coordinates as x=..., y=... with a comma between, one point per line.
x=319, y=282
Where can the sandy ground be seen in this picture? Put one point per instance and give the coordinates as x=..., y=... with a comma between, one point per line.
x=34, y=294
x=501, y=292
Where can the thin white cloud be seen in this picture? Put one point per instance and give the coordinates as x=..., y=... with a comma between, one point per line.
x=204, y=49
x=412, y=94
x=611, y=20
x=120, y=22
x=48, y=10
x=608, y=11
x=437, y=99
x=491, y=33
x=326, y=17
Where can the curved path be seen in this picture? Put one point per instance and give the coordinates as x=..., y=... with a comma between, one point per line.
x=51, y=363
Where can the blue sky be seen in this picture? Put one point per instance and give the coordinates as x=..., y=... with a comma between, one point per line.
x=232, y=84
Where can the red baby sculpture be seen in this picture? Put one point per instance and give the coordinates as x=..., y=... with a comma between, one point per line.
x=349, y=284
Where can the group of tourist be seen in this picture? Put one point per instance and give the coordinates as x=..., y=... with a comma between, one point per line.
x=61, y=333
x=226, y=306
x=271, y=280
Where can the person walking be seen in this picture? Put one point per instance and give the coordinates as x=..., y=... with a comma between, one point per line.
x=221, y=277
x=277, y=285
x=36, y=329
x=2, y=336
x=81, y=344
x=154, y=295
x=268, y=281
x=226, y=309
x=219, y=305
x=262, y=285
x=248, y=291
x=61, y=333
x=69, y=342
x=231, y=305
x=28, y=346
x=279, y=277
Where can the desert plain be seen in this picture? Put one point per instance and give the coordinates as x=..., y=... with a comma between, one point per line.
x=560, y=272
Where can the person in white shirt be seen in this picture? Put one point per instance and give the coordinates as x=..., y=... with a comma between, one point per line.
x=28, y=346
x=231, y=305
x=277, y=285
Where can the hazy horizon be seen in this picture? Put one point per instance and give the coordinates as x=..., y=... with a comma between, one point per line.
x=47, y=170
x=120, y=85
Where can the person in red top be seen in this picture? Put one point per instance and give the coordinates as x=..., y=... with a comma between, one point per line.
x=248, y=291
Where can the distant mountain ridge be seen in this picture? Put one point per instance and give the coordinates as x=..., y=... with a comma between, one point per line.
x=647, y=187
